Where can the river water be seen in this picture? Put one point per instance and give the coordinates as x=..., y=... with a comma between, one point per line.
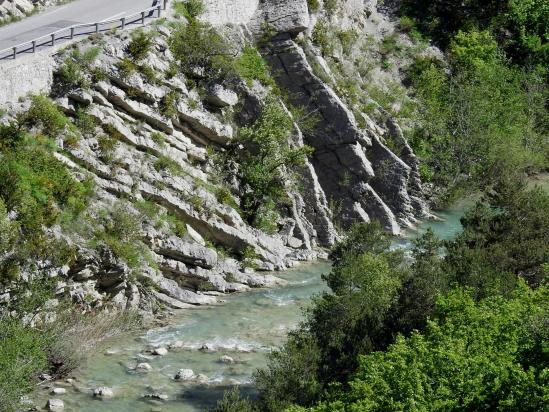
x=245, y=328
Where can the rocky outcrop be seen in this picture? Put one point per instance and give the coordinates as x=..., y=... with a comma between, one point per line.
x=157, y=165
x=364, y=189
x=21, y=8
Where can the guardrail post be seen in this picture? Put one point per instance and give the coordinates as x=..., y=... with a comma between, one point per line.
x=123, y=21
x=14, y=53
x=33, y=46
x=53, y=39
x=97, y=27
x=142, y=17
x=159, y=8
x=165, y=4
x=72, y=33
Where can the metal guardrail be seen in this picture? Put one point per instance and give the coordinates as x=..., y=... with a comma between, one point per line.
x=69, y=33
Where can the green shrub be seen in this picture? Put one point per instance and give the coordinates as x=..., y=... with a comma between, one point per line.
x=168, y=104
x=23, y=354
x=189, y=9
x=164, y=163
x=232, y=402
x=198, y=45
x=313, y=5
x=407, y=24
x=139, y=46
x=249, y=257
x=149, y=73
x=85, y=122
x=322, y=37
x=482, y=119
x=266, y=152
x=72, y=72
x=126, y=67
x=158, y=138
x=474, y=356
x=348, y=39
x=331, y=6
x=177, y=226
x=266, y=218
x=121, y=231
x=250, y=65
x=44, y=114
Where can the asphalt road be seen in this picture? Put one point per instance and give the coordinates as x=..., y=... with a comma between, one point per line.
x=76, y=12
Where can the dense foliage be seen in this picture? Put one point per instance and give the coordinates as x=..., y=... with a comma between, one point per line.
x=266, y=154
x=521, y=26
x=415, y=314
x=35, y=187
x=479, y=118
x=486, y=356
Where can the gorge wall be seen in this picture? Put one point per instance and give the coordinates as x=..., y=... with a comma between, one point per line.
x=150, y=153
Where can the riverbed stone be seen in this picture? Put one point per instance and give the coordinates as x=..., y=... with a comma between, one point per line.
x=184, y=375
x=143, y=367
x=55, y=405
x=103, y=392
x=226, y=359
x=178, y=344
x=58, y=391
x=160, y=351
x=159, y=396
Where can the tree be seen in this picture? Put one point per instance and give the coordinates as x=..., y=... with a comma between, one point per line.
x=504, y=236
x=486, y=356
x=266, y=153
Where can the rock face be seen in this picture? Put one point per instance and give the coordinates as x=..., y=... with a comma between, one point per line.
x=157, y=166
x=353, y=166
x=20, y=8
x=55, y=405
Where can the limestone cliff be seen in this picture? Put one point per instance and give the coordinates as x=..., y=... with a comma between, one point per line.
x=158, y=166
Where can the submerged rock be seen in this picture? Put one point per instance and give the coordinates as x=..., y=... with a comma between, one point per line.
x=143, y=367
x=58, y=391
x=159, y=396
x=226, y=359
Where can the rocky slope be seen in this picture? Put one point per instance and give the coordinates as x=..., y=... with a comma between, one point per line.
x=159, y=167
x=10, y=9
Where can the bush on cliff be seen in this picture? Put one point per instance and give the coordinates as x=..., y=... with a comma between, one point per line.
x=266, y=154
x=201, y=51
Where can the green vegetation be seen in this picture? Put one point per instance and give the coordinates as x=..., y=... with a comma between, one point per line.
x=331, y=7
x=480, y=120
x=198, y=45
x=56, y=347
x=251, y=66
x=190, y=9
x=521, y=26
x=36, y=186
x=313, y=5
x=444, y=331
x=120, y=229
x=485, y=356
x=139, y=46
x=168, y=104
x=266, y=152
x=72, y=73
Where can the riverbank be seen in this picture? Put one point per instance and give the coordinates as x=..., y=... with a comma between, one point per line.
x=221, y=345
